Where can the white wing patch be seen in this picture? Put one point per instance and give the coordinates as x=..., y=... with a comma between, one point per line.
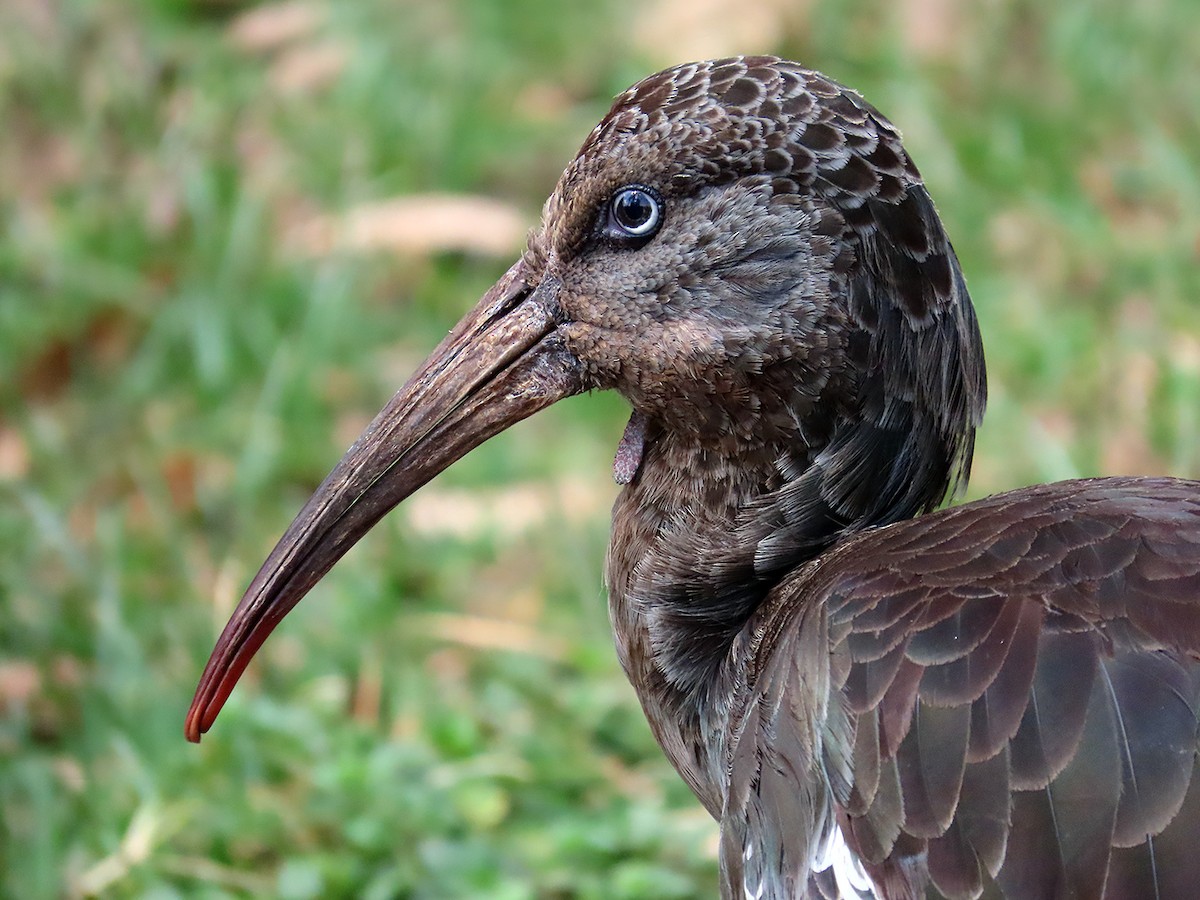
x=833, y=852
x=852, y=880
x=757, y=892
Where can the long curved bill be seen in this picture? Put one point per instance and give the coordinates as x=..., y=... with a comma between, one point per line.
x=503, y=362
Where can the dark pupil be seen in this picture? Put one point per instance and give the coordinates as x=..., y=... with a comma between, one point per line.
x=634, y=209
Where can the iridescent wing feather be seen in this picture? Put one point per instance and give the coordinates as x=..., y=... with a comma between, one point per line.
x=1013, y=693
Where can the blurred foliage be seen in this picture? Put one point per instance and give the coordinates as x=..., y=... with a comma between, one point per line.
x=187, y=344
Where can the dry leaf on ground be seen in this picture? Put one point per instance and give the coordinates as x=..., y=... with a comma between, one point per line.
x=267, y=28
x=423, y=223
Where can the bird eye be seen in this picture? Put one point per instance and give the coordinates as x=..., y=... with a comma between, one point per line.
x=634, y=214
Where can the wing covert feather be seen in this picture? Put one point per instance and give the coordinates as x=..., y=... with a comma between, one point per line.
x=1055, y=714
x=1021, y=691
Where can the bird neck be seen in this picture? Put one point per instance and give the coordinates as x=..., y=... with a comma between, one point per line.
x=705, y=531
x=682, y=582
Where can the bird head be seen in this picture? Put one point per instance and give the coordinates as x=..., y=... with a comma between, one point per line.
x=744, y=250
x=699, y=256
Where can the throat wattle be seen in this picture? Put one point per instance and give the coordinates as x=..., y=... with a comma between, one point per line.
x=630, y=450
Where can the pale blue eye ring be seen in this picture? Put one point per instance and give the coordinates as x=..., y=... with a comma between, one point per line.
x=634, y=212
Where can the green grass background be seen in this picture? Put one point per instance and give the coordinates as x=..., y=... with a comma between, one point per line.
x=444, y=716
